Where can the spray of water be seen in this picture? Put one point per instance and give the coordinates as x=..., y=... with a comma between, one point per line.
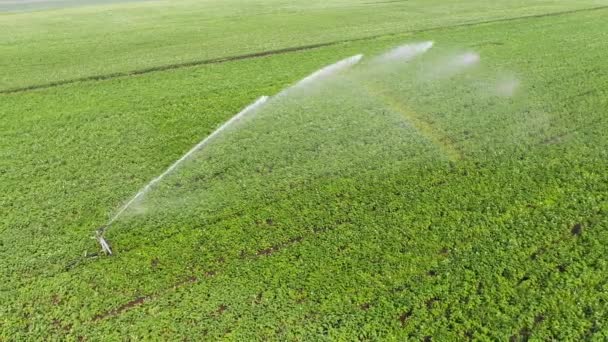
x=467, y=59
x=249, y=109
x=314, y=77
x=450, y=66
x=405, y=52
x=330, y=70
x=366, y=123
x=507, y=86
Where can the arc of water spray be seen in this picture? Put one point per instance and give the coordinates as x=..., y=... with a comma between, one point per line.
x=405, y=52
x=104, y=244
x=325, y=72
x=332, y=69
x=319, y=74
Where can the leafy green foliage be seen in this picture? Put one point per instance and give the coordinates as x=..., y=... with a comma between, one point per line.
x=333, y=213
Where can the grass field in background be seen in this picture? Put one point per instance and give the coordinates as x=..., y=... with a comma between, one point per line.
x=293, y=227
x=56, y=45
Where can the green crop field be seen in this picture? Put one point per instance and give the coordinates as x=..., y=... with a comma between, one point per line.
x=437, y=198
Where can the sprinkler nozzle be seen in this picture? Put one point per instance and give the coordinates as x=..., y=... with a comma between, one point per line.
x=105, y=246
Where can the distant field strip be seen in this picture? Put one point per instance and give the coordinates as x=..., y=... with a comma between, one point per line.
x=169, y=67
x=279, y=51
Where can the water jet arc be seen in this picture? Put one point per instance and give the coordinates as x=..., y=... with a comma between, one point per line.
x=330, y=69
x=317, y=75
x=100, y=232
x=405, y=52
